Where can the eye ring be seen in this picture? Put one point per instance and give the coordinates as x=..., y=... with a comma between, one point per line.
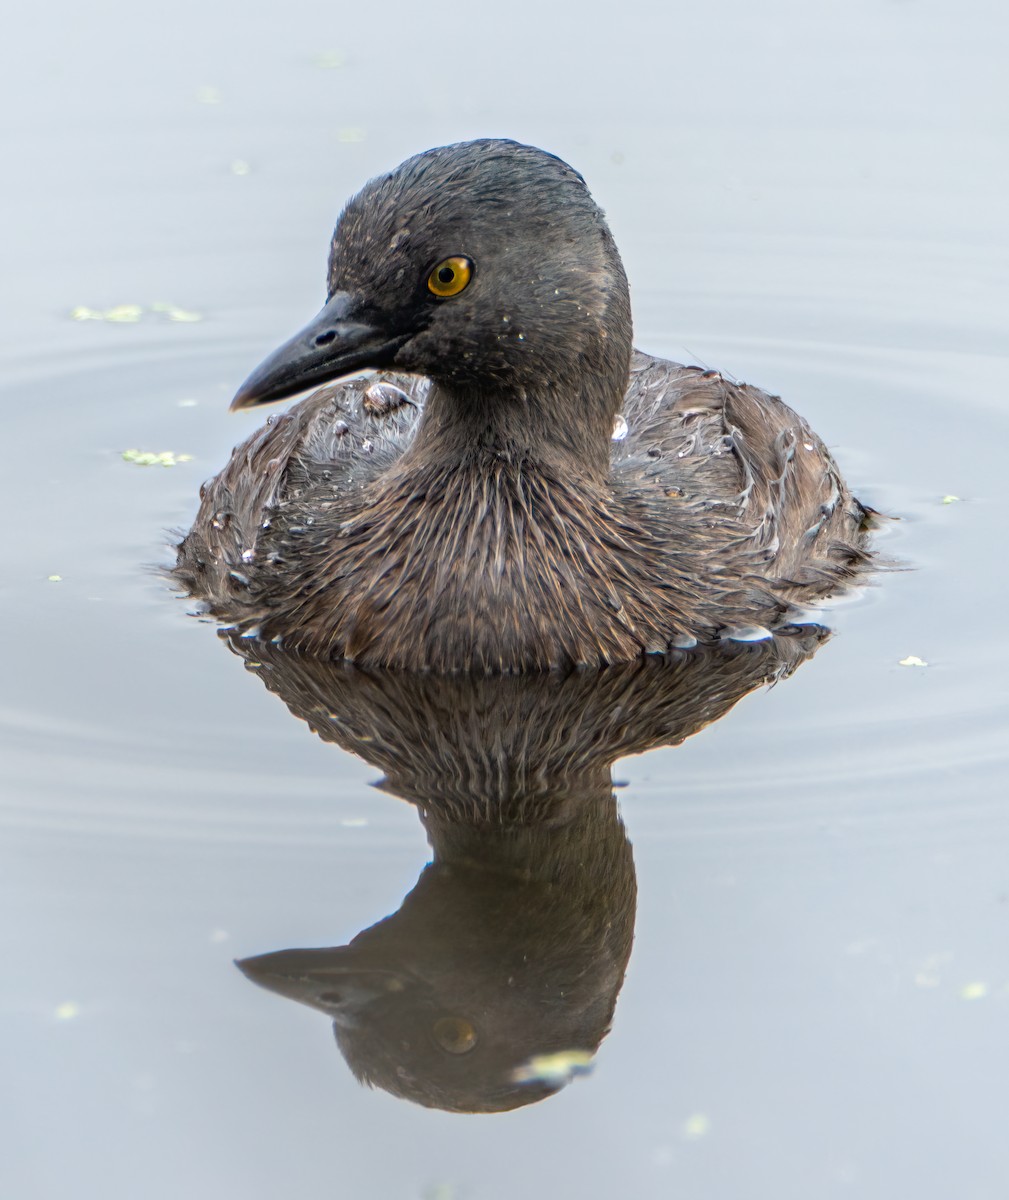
x=450, y=276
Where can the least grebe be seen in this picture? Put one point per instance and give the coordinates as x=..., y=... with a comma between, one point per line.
x=520, y=490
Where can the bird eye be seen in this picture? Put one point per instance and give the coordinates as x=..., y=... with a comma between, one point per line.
x=450, y=276
x=454, y=1034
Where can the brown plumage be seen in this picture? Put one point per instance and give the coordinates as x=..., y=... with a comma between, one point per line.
x=471, y=508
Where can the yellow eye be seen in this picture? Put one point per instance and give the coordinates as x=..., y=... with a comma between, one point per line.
x=455, y=1034
x=450, y=276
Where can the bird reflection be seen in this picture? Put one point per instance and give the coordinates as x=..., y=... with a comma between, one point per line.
x=495, y=981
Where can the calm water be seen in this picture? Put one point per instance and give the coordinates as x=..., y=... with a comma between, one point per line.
x=817, y=1003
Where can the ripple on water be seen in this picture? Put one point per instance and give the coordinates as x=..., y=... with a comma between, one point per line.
x=862, y=725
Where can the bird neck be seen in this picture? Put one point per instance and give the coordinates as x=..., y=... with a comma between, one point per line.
x=561, y=830
x=566, y=428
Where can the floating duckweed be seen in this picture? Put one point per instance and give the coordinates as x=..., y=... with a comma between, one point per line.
x=554, y=1069
x=950, y=499
x=130, y=314
x=240, y=167
x=696, y=1126
x=125, y=314
x=174, y=313
x=54, y=578
x=974, y=991
x=912, y=660
x=148, y=458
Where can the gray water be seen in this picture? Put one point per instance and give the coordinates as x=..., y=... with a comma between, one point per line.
x=810, y=197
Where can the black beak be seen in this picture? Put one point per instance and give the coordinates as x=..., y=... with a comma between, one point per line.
x=337, y=342
x=326, y=979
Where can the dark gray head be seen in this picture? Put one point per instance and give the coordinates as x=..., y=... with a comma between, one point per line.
x=485, y=265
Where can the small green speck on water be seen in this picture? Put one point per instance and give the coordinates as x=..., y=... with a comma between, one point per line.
x=130, y=314
x=974, y=991
x=174, y=313
x=350, y=134
x=148, y=458
x=126, y=313
x=950, y=499
x=123, y=314
x=240, y=167
x=912, y=660
x=330, y=60
x=696, y=1126
x=54, y=578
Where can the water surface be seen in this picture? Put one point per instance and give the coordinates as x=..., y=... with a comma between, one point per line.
x=811, y=199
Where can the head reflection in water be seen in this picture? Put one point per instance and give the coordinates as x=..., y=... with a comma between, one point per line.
x=496, y=980
x=502, y=964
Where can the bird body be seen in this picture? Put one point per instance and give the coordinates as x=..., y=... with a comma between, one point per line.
x=516, y=490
